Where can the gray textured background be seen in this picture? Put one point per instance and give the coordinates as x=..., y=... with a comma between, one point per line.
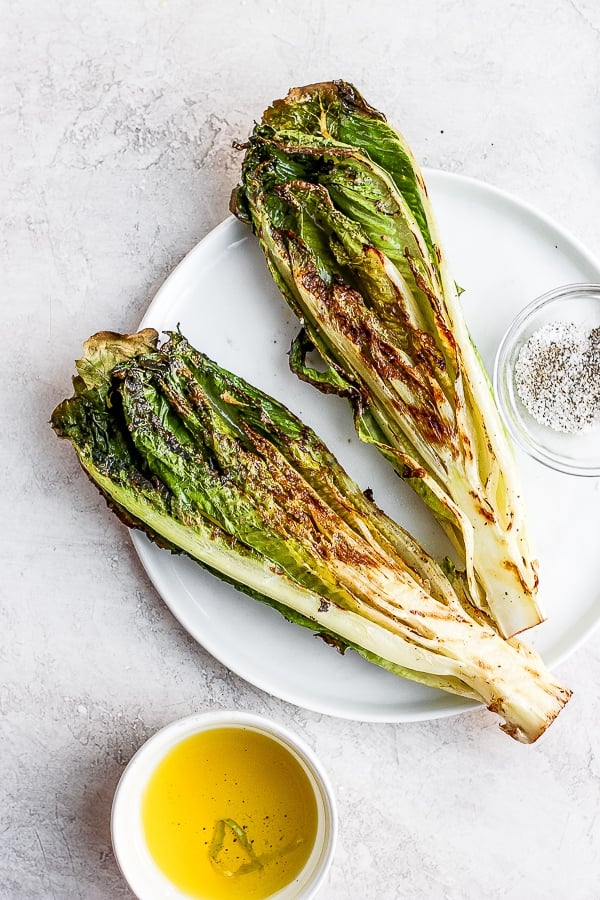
x=117, y=122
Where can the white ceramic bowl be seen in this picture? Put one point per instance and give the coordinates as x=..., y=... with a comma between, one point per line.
x=133, y=857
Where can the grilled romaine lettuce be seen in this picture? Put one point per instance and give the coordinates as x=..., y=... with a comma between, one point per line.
x=342, y=214
x=208, y=465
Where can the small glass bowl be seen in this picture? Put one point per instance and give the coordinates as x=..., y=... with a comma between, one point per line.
x=575, y=454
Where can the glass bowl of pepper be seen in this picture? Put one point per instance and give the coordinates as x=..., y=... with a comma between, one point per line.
x=547, y=379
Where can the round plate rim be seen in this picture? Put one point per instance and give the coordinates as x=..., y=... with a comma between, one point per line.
x=157, y=576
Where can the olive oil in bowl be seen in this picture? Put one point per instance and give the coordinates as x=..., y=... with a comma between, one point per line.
x=230, y=813
x=224, y=805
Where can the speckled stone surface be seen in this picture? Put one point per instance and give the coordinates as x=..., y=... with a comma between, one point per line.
x=117, y=123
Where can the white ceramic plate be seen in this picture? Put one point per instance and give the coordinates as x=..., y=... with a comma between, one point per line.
x=504, y=254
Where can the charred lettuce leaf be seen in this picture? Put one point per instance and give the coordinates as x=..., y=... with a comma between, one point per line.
x=341, y=211
x=205, y=464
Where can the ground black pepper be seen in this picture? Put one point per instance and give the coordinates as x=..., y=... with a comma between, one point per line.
x=557, y=376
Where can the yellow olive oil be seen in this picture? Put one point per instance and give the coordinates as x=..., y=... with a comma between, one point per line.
x=229, y=813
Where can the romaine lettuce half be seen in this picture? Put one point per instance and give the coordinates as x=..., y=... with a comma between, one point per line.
x=207, y=465
x=341, y=211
